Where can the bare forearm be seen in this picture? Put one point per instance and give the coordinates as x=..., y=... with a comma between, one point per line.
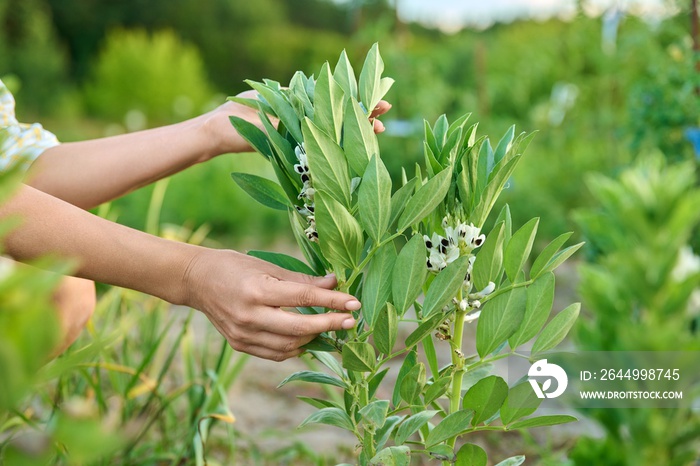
x=89, y=173
x=104, y=251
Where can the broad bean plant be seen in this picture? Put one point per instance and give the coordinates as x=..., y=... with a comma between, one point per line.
x=417, y=257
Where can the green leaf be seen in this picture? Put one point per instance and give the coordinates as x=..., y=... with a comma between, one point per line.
x=358, y=356
x=440, y=132
x=412, y=384
x=556, y=330
x=327, y=164
x=519, y=247
x=426, y=199
x=284, y=261
x=297, y=86
x=328, y=104
x=484, y=166
x=505, y=217
x=560, y=257
x=499, y=319
x=442, y=452
x=330, y=416
x=485, y=398
x=437, y=389
x=489, y=259
x=385, y=431
x=431, y=355
x=541, y=421
x=471, y=455
x=345, y=76
x=399, y=200
x=409, y=274
x=375, y=412
x=376, y=286
x=540, y=297
x=319, y=344
x=521, y=402
x=386, y=329
x=255, y=104
x=313, y=377
x=449, y=150
x=317, y=402
x=547, y=253
x=445, y=286
x=374, y=199
x=329, y=361
x=503, y=144
x=265, y=191
x=283, y=109
x=392, y=456
x=474, y=375
x=432, y=165
x=339, y=234
x=374, y=381
x=412, y=424
x=253, y=135
x=449, y=427
x=493, y=189
x=286, y=157
x=359, y=141
x=372, y=85
x=408, y=362
x=512, y=461
x=424, y=329
x=311, y=251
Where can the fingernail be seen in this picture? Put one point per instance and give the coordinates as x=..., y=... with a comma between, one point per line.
x=353, y=305
x=348, y=324
x=330, y=275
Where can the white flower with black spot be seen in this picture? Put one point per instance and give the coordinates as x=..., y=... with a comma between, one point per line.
x=307, y=192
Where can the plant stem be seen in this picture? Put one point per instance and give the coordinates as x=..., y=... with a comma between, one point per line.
x=505, y=289
x=458, y=362
x=357, y=270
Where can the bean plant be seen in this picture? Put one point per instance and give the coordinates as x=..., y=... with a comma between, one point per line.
x=417, y=256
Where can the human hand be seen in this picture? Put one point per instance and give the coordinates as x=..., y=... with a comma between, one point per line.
x=243, y=297
x=225, y=138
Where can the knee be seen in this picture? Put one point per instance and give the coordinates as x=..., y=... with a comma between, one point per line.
x=75, y=301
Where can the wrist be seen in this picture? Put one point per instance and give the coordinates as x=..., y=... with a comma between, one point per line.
x=205, y=137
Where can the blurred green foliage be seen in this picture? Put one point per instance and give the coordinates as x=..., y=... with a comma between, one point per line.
x=30, y=49
x=591, y=104
x=31, y=434
x=595, y=109
x=640, y=293
x=158, y=78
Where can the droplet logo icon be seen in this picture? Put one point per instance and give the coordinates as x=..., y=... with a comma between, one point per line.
x=547, y=372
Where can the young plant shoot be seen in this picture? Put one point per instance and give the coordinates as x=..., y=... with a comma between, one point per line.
x=417, y=256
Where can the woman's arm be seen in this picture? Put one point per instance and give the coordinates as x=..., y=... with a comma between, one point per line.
x=89, y=173
x=239, y=294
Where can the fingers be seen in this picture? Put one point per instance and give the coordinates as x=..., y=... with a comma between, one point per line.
x=382, y=107
x=287, y=324
x=378, y=126
x=295, y=331
x=267, y=353
x=286, y=293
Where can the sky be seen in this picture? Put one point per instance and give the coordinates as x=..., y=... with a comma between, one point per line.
x=453, y=15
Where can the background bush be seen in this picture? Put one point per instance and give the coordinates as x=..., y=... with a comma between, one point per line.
x=148, y=79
